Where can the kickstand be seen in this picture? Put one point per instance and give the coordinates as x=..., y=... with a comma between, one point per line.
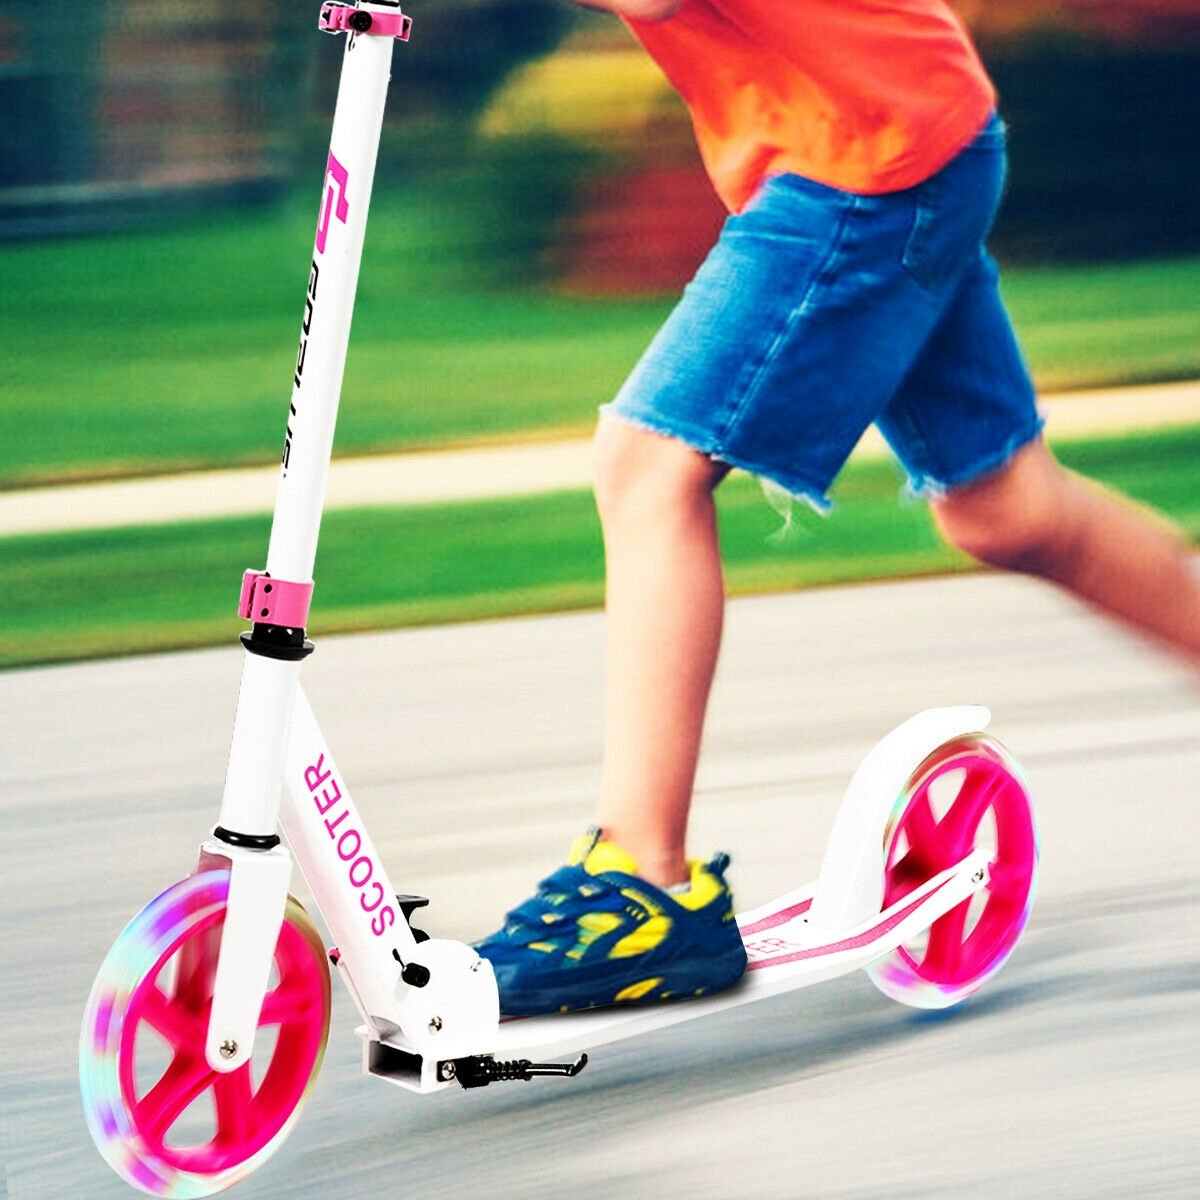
x=479, y=1070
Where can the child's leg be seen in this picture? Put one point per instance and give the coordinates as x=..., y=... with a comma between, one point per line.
x=1034, y=516
x=665, y=603
x=602, y=929
x=795, y=332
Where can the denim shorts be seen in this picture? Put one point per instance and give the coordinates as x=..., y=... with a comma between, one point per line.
x=820, y=311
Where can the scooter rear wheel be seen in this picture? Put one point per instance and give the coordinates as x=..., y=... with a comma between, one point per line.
x=164, y=1120
x=968, y=793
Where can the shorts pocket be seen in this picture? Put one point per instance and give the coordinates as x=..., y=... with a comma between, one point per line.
x=952, y=214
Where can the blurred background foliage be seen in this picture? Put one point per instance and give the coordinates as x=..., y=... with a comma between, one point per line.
x=534, y=140
x=539, y=203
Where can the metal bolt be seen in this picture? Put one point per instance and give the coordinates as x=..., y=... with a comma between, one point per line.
x=978, y=876
x=435, y=1024
x=446, y=1071
x=228, y=1048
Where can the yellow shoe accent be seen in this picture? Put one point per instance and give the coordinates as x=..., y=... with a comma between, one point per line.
x=635, y=991
x=582, y=845
x=596, y=924
x=597, y=857
x=592, y=926
x=705, y=888
x=645, y=937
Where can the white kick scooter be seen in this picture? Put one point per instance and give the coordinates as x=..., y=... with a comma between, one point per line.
x=207, y=1023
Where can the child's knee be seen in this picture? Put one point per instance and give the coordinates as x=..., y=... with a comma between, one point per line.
x=634, y=469
x=1018, y=518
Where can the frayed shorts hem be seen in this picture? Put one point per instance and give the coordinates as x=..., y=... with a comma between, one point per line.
x=703, y=443
x=928, y=487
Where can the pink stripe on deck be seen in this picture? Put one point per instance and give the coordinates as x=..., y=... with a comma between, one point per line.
x=854, y=943
x=782, y=917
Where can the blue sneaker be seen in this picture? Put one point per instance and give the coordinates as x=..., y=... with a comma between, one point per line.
x=595, y=934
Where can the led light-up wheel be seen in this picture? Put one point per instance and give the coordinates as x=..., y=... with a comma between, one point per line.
x=968, y=793
x=162, y=1117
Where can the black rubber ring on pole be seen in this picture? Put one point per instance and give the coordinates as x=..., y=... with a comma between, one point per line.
x=247, y=841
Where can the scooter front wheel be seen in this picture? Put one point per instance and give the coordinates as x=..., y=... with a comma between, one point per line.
x=969, y=793
x=164, y=1120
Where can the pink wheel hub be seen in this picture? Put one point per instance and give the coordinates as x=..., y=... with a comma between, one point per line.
x=988, y=806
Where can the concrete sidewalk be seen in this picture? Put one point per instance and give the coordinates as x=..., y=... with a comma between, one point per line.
x=438, y=477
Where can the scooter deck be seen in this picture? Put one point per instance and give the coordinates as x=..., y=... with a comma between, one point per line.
x=785, y=951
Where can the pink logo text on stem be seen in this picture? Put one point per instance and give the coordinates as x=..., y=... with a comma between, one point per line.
x=335, y=185
x=348, y=841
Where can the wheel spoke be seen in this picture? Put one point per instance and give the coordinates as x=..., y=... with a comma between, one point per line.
x=236, y=1107
x=169, y=1018
x=924, y=834
x=946, y=939
x=196, y=971
x=958, y=826
x=285, y=1005
x=183, y=1080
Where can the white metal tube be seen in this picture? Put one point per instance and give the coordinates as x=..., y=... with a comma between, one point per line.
x=250, y=804
x=258, y=892
x=342, y=866
x=333, y=277
x=251, y=800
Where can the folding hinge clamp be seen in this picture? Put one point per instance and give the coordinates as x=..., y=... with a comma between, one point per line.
x=346, y=18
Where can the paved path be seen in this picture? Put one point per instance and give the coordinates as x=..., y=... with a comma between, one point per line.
x=437, y=477
x=473, y=753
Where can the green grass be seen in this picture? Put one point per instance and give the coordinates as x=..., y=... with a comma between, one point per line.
x=173, y=350
x=169, y=350
x=166, y=587
x=1115, y=324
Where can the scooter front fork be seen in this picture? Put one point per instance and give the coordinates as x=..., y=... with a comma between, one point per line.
x=258, y=892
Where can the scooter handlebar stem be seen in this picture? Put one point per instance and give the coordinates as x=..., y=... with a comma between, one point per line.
x=250, y=806
x=332, y=280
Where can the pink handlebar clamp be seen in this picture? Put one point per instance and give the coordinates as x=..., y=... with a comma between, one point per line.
x=346, y=18
x=269, y=601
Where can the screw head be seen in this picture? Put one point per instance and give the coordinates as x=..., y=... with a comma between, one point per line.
x=435, y=1024
x=446, y=1071
x=978, y=876
x=228, y=1048
x=360, y=21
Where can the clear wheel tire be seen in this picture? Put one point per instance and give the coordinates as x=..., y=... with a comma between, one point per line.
x=968, y=793
x=162, y=1118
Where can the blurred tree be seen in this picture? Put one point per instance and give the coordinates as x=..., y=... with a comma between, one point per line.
x=1160, y=22
x=1102, y=99
x=462, y=50
x=46, y=86
x=486, y=205
x=140, y=111
x=1105, y=148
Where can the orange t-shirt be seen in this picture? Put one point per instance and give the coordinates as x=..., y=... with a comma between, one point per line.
x=868, y=96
